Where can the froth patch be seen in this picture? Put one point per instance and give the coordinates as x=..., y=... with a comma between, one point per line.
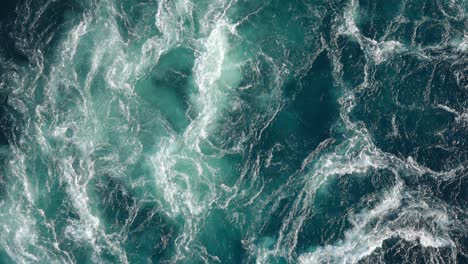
x=378, y=51
x=390, y=218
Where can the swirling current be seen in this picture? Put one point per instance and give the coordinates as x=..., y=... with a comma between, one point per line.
x=234, y=131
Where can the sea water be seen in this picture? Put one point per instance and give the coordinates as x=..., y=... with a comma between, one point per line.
x=234, y=131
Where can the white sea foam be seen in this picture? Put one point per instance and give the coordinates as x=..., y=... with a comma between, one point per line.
x=180, y=164
x=372, y=227
x=54, y=118
x=378, y=51
x=169, y=19
x=459, y=117
x=215, y=75
x=356, y=156
x=210, y=69
x=184, y=175
x=463, y=46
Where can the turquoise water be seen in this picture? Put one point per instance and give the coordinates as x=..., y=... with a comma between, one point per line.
x=234, y=131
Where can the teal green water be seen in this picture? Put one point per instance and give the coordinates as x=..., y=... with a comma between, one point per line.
x=234, y=131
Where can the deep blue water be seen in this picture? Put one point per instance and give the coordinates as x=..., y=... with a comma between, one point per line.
x=234, y=131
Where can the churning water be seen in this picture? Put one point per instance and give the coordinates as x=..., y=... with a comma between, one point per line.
x=234, y=131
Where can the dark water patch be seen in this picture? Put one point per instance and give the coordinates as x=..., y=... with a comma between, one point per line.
x=4, y=257
x=448, y=84
x=431, y=33
x=8, y=50
x=403, y=32
x=316, y=103
x=306, y=121
x=450, y=190
x=5, y=121
x=402, y=108
x=4, y=180
x=7, y=11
